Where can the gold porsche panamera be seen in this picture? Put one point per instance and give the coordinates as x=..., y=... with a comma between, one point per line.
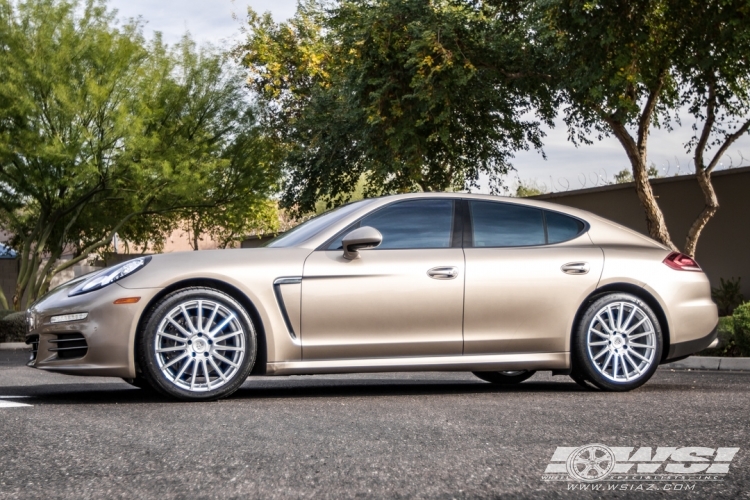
x=502, y=287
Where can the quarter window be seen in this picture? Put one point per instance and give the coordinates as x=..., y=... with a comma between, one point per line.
x=561, y=227
x=506, y=225
x=410, y=224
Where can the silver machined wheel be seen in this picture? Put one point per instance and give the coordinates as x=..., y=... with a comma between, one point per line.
x=621, y=341
x=200, y=345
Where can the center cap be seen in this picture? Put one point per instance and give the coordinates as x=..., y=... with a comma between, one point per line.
x=199, y=345
x=617, y=341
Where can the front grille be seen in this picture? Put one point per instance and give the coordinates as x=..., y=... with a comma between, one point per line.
x=69, y=346
x=33, y=340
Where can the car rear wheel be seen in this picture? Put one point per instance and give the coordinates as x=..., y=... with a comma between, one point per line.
x=618, y=343
x=509, y=377
x=198, y=344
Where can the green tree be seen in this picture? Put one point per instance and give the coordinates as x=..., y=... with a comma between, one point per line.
x=624, y=176
x=407, y=95
x=104, y=133
x=625, y=66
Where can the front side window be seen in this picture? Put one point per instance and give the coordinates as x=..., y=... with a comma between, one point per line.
x=409, y=224
x=506, y=225
x=310, y=228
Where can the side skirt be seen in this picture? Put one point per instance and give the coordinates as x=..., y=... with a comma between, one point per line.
x=492, y=362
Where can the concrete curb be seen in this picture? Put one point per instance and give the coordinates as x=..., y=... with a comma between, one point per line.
x=14, y=346
x=711, y=363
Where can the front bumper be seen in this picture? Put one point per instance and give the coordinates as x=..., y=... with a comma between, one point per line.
x=102, y=344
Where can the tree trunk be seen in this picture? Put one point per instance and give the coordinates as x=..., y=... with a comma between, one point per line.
x=709, y=210
x=655, y=223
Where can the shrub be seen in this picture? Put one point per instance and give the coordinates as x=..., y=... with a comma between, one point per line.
x=727, y=343
x=741, y=319
x=13, y=327
x=5, y=312
x=727, y=296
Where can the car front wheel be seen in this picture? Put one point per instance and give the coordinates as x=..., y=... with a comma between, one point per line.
x=618, y=343
x=198, y=344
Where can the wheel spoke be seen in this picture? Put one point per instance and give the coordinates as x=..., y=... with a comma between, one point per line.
x=182, y=370
x=205, y=370
x=172, y=337
x=195, y=372
x=632, y=328
x=200, y=316
x=600, y=354
x=594, y=330
x=603, y=323
x=603, y=342
x=619, y=316
x=224, y=323
x=639, y=335
x=635, y=353
x=218, y=370
x=179, y=327
x=213, y=315
x=627, y=322
x=225, y=360
x=171, y=349
x=187, y=319
x=614, y=366
x=175, y=360
x=228, y=335
x=627, y=355
x=609, y=317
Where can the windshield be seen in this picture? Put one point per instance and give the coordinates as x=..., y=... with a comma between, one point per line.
x=310, y=228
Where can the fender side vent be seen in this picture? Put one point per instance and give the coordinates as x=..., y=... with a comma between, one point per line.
x=69, y=346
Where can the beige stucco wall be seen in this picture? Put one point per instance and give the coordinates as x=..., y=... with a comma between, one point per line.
x=724, y=247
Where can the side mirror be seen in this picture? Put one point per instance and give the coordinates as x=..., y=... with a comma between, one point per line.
x=359, y=239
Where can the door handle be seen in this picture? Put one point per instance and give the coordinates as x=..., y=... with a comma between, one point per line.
x=443, y=273
x=575, y=268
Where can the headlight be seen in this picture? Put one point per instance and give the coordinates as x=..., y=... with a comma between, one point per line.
x=109, y=276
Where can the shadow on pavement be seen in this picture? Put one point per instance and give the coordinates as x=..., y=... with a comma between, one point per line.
x=265, y=389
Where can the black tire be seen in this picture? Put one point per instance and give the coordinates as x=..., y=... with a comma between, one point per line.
x=140, y=382
x=588, y=370
x=582, y=382
x=505, y=378
x=148, y=359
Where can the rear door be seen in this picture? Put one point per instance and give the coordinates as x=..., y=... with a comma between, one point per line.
x=527, y=272
x=391, y=301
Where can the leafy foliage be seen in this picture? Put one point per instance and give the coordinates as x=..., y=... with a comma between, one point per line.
x=13, y=327
x=741, y=317
x=405, y=95
x=102, y=132
x=625, y=66
x=728, y=295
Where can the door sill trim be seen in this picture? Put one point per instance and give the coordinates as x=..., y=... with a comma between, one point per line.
x=484, y=362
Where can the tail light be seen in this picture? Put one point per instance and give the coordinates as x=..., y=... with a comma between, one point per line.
x=681, y=262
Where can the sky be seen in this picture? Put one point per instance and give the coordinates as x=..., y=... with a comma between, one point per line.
x=219, y=22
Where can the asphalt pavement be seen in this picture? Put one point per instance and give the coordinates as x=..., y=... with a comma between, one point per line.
x=400, y=435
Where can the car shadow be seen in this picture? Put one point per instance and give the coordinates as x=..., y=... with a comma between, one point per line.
x=117, y=393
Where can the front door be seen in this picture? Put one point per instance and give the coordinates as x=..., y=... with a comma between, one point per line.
x=392, y=301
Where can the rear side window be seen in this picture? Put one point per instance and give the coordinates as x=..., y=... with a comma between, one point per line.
x=506, y=225
x=561, y=227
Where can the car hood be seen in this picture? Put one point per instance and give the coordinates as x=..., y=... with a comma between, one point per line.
x=235, y=265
